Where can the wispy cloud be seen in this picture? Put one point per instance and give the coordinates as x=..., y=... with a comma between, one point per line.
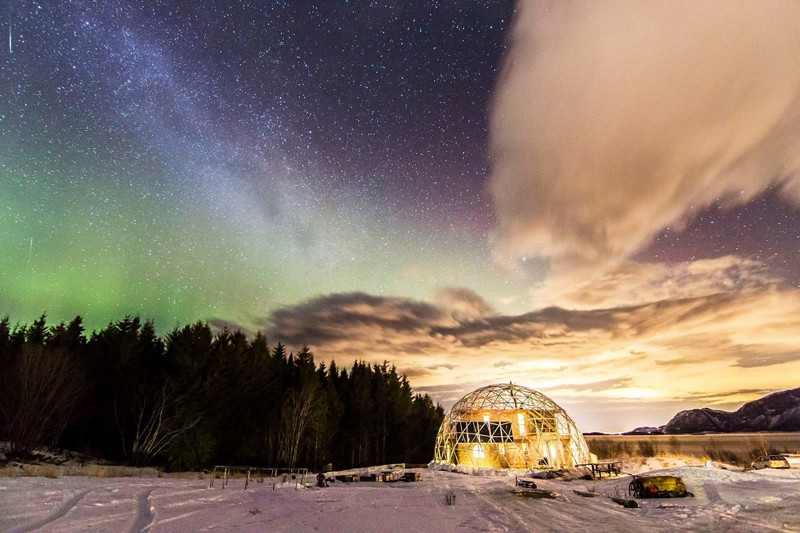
x=632, y=283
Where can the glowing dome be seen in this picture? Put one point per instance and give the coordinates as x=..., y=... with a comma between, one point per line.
x=508, y=426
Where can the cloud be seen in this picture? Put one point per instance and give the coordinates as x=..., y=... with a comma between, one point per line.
x=769, y=359
x=604, y=385
x=613, y=120
x=415, y=372
x=342, y=317
x=662, y=351
x=634, y=284
x=219, y=324
x=463, y=304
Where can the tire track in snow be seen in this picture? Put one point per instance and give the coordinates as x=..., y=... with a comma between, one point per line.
x=503, y=512
x=711, y=492
x=60, y=511
x=144, y=512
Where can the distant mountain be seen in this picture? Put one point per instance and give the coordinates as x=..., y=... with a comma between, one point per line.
x=779, y=411
x=644, y=430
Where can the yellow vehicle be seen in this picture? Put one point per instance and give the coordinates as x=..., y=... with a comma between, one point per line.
x=658, y=487
x=770, y=461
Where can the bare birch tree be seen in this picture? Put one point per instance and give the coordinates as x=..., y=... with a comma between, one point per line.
x=159, y=420
x=299, y=410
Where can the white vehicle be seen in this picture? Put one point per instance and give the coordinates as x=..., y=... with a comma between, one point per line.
x=770, y=461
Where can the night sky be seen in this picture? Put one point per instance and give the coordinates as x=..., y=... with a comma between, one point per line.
x=549, y=195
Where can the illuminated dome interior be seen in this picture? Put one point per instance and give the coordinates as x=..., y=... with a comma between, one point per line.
x=508, y=426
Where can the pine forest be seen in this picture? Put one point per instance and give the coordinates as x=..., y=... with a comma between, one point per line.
x=197, y=398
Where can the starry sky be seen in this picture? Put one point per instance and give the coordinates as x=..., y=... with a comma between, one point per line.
x=599, y=200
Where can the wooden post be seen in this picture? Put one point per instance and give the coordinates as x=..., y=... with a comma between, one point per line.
x=247, y=479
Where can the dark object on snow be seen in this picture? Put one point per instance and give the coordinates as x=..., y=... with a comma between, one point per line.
x=526, y=483
x=658, y=487
x=585, y=494
x=536, y=493
x=321, y=481
x=628, y=504
x=412, y=476
x=546, y=474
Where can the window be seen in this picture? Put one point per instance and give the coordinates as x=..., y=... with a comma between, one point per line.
x=501, y=449
x=478, y=452
x=484, y=432
x=521, y=421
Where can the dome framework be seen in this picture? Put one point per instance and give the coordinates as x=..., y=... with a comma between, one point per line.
x=509, y=426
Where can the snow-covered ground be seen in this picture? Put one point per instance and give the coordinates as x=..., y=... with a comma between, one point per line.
x=724, y=500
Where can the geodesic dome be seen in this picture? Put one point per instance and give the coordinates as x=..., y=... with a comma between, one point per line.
x=508, y=426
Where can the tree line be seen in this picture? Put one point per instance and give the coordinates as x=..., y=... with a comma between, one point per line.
x=196, y=398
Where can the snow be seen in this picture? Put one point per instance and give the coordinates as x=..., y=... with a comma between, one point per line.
x=725, y=499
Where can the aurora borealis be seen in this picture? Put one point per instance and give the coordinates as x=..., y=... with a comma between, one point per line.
x=151, y=152
x=476, y=191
